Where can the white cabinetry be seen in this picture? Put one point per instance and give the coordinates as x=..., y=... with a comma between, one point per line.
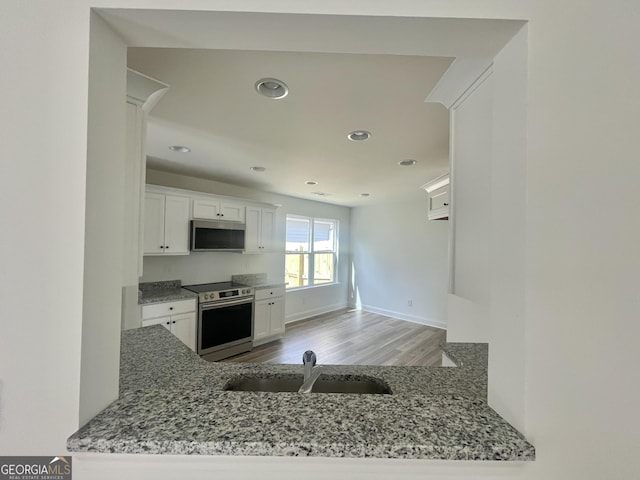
x=166, y=224
x=212, y=209
x=438, y=198
x=260, y=230
x=268, y=315
x=179, y=317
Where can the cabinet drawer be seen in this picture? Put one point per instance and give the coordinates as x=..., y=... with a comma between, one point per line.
x=168, y=308
x=264, y=293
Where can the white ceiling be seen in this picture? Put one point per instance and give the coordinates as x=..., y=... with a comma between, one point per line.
x=213, y=108
x=376, y=76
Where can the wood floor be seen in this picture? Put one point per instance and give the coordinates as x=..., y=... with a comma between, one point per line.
x=353, y=337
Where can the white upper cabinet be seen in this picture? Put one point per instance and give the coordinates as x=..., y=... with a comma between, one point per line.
x=166, y=224
x=260, y=230
x=213, y=209
x=438, y=198
x=168, y=212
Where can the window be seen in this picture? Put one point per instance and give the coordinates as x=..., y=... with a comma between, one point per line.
x=311, y=251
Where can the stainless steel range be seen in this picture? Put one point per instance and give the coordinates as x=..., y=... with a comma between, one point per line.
x=225, y=319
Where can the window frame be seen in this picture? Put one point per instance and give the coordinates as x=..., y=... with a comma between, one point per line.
x=311, y=252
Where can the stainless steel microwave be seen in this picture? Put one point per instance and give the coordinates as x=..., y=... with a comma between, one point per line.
x=212, y=236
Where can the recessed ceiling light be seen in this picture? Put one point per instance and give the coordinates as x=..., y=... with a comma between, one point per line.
x=179, y=148
x=272, y=88
x=258, y=169
x=311, y=182
x=407, y=163
x=365, y=194
x=359, y=135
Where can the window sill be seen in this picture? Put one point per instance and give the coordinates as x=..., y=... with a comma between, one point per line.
x=309, y=287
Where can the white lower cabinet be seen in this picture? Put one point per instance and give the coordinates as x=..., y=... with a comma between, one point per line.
x=268, y=315
x=179, y=317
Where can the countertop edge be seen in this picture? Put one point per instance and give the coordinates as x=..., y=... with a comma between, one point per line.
x=411, y=425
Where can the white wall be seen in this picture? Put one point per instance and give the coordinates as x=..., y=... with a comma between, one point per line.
x=211, y=267
x=581, y=257
x=43, y=129
x=104, y=222
x=471, y=152
x=489, y=158
x=507, y=236
x=399, y=256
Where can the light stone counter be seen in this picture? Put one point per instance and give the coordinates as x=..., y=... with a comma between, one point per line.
x=172, y=402
x=160, y=292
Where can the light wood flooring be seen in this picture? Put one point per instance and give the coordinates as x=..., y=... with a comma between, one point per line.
x=353, y=337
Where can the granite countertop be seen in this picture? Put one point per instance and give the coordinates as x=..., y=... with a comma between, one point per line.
x=159, y=292
x=173, y=402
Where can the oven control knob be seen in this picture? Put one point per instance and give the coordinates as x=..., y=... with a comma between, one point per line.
x=206, y=296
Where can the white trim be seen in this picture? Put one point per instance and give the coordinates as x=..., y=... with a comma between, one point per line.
x=452, y=203
x=485, y=74
x=473, y=87
x=429, y=322
x=462, y=73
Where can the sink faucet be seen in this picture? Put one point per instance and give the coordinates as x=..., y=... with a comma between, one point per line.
x=311, y=374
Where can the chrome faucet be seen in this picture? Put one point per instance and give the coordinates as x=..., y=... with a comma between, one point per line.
x=311, y=374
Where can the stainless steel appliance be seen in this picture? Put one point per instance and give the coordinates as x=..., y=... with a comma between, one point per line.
x=212, y=236
x=225, y=319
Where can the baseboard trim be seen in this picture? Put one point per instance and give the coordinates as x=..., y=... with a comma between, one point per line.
x=429, y=322
x=317, y=312
x=314, y=312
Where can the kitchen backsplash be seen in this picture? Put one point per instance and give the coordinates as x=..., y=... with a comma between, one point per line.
x=250, y=278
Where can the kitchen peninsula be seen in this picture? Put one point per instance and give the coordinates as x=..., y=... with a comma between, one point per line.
x=173, y=402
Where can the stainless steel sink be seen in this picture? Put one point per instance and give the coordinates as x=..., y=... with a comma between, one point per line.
x=322, y=385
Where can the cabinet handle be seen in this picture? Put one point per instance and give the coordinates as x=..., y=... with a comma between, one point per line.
x=161, y=246
x=167, y=247
x=446, y=204
x=170, y=308
x=173, y=321
x=168, y=323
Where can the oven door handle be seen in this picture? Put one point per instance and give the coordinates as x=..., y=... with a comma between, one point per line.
x=228, y=303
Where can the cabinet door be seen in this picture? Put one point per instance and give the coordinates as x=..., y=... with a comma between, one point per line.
x=439, y=203
x=153, y=223
x=261, y=322
x=206, y=209
x=184, y=327
x=252, y=230
x=164, y=321
x=277, y=316
x=176, y=226
x=231, y=212
x=267, y=230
